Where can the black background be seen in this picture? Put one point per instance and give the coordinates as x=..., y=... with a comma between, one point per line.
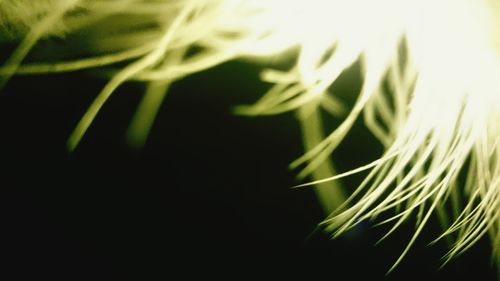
x=208, y=196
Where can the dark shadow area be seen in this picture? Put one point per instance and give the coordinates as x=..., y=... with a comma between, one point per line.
x=210, y=194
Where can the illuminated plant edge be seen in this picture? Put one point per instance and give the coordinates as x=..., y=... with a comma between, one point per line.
x=439, y=119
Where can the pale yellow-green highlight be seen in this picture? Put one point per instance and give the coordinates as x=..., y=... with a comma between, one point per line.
x=439, y=119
